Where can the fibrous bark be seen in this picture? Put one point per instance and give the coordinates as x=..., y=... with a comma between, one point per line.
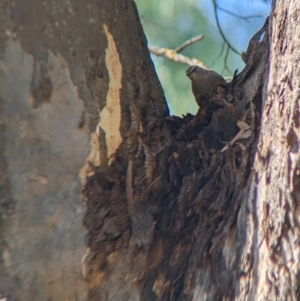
x=166, y=213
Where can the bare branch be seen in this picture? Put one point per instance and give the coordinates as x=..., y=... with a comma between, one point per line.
x=188, y=43
x=220, y=29
x=221, y=52
x=225, y=60
x=175, y=57
x=238, y=16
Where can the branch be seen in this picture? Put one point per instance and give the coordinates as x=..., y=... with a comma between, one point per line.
x=172, y=55
x=225, y=61
x=238, y=16
x=188, y=43
x=221, y=52
x=220, y=29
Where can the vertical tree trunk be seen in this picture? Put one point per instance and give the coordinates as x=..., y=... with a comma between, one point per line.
x=276, y=168
x=57, y=59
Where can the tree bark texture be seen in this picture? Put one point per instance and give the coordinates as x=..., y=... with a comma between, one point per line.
x=56, y=61
x=166, y=214
x=276, y=169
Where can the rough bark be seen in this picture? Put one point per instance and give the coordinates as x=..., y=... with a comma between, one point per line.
x=167, y=215
x=56, y=61
x=276, y=184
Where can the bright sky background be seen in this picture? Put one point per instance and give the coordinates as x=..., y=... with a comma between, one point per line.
x=238, y=31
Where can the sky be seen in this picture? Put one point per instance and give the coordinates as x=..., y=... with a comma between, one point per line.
x=239, y=31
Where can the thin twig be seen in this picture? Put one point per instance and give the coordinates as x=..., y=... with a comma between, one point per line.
x=188, y=43
x=225, y=60
x=175, y=57
x=221, y=52
x=220, y=29
x=238, y=16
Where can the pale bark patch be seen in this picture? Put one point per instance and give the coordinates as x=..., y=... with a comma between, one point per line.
x=110, y=116
x=57, y=121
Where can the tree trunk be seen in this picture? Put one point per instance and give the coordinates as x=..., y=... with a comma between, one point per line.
x=167, y=215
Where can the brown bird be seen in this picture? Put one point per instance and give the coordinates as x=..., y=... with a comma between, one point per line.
x=226, y=122
x=205, y=82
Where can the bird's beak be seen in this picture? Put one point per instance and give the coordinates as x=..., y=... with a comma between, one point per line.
x=190, y=70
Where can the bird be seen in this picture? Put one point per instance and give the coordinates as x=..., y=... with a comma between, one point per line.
x=226, y=122
x=205, y=82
